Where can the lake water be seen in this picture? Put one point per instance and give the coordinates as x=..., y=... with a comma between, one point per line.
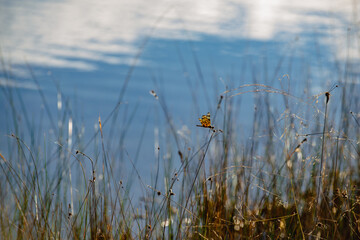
x=84, y=54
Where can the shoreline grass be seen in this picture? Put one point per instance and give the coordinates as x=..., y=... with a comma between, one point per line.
x=296, y=176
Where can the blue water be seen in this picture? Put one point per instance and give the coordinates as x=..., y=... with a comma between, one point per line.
x=184, y=58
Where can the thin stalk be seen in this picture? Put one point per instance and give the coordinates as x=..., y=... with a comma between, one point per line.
x=327, y=94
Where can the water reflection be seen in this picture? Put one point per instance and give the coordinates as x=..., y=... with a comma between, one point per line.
x=82, y=51
x=78, y=34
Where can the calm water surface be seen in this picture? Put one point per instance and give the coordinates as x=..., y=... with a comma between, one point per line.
x=189, y=52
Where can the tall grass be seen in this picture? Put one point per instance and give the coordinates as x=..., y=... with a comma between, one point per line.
x=295, y=177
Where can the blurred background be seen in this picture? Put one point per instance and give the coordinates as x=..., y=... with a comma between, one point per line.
x=66, y=63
